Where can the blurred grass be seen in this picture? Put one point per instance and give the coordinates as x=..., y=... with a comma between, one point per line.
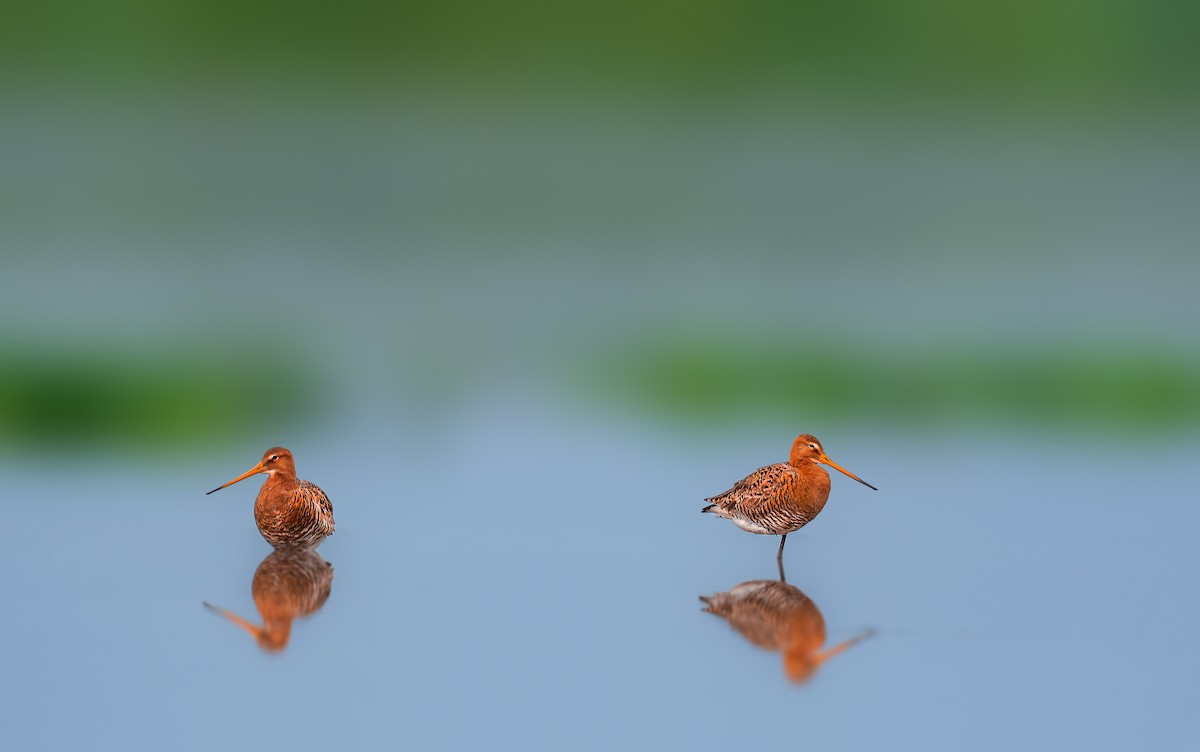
x=1071, y=389
x=129, y=398
x=1066, y=46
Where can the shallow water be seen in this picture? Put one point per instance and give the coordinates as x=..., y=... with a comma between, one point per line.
x=531, y=577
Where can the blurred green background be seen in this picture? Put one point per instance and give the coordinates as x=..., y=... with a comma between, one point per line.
x=520, y=284
x=221, y=218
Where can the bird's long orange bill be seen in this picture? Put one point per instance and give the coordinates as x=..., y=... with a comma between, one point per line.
x=258, y=469
x=835, y=466
x=253, y=629
x=825, y=655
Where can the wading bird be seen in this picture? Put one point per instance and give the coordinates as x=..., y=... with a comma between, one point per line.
x=781, y=499
x=288, y=511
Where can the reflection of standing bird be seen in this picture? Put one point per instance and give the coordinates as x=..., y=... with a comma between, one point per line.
x=290, y=584
x=288, y=511
x=780, y=499
x=777, y=616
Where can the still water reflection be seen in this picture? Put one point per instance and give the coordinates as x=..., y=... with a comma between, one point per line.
x=779, y=617
x=289, y=584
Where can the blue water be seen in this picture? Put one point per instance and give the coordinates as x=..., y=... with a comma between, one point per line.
x=515, y=570
x=529, y=578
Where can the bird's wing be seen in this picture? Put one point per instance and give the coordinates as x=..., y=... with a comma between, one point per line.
x=759, y=489
x=312, y=494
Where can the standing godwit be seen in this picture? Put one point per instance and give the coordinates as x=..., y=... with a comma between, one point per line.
x=780, y=499
x=288, y=511
x=289, y=584
x=777, y=616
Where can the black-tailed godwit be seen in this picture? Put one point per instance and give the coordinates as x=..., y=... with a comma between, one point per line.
x=782, y=498
x=288, y=511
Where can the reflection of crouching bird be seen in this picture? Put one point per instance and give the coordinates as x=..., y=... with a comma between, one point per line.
x=290, y=584
x=774, y=615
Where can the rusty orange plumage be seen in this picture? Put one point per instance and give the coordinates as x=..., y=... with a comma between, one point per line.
x=289, y=584
x=288, y=511
x=777, y=616
x=782, y=498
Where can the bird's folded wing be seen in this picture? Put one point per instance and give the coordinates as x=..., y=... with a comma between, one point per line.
x=759, y=489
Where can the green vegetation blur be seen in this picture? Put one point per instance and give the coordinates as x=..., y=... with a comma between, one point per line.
x=156, y=402
x=220, y=217
x=1068, y=47
x=1081, y=390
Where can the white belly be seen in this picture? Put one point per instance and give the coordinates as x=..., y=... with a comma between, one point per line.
x=750, y=526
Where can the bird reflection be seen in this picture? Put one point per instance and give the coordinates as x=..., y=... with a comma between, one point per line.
x=777, y=616
x=289, y=584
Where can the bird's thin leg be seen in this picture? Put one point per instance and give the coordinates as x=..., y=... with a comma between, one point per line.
x=779, y=556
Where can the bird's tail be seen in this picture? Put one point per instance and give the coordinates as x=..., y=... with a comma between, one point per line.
x=709, y=508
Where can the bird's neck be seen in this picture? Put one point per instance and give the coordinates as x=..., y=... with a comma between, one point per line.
x=278, y=482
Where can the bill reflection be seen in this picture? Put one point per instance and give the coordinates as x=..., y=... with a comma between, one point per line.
x=291, y=583
x=779, y=617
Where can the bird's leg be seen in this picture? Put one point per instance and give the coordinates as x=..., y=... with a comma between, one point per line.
x=779, y=556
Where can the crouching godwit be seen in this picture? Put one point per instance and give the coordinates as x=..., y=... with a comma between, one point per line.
x=288, y=511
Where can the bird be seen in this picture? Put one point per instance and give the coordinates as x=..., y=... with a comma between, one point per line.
x=782, y=498
x=290, y=583
x=777, y=616
x=288, y=511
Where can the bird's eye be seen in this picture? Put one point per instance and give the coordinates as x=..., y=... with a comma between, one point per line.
x=812, y=446
x=274, y=457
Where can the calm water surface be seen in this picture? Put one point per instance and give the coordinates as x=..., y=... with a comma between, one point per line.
x=533, y=579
